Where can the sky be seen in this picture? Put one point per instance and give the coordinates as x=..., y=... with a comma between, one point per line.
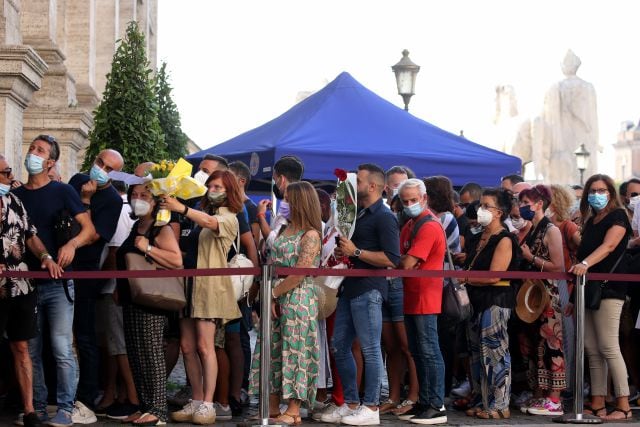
x=236, y=64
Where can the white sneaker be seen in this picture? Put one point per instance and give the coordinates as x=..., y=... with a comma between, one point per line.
x=185, y=415
x=82, y=415
x=362, y=416
x=335, y=415
x=205, y=414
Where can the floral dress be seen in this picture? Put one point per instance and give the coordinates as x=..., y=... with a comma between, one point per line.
x=546, y=367
x=295, y=351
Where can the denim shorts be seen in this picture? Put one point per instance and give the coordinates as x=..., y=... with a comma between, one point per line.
x=393, y=306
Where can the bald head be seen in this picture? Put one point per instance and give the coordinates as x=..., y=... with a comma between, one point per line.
x=111, y=160
x=519, y=187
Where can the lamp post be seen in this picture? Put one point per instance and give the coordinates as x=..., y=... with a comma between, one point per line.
x=582, y=161
x=406, y=72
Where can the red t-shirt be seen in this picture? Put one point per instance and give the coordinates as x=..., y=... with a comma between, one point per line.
x=423, y=295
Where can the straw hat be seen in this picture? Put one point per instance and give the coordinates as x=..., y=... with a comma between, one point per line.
x=532, y=299
x=327, y=299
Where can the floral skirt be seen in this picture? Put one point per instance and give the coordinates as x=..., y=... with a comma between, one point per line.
x=295, y=352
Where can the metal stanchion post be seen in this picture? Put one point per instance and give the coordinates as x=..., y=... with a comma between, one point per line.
x=265, y=343
x=577, y=417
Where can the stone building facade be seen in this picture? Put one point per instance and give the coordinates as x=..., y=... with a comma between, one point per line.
x=54, y=58
x=627, y=151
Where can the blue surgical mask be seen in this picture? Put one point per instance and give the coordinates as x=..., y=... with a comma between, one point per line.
x=475, y=230
x=284, y=209
x=598, y=201
x=34, y=164
x=333, y=206
x=413, y=210
x=4, y=189
x=98, y=175
x=526, y=212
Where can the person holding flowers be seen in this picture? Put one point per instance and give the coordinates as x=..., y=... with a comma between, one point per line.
x=210, y=299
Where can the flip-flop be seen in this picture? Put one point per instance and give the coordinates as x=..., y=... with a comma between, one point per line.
x=289, y=419
x=627, y=415
x=494, y=414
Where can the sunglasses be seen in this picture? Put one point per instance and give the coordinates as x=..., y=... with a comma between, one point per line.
x=634, y=194
x=7, y=172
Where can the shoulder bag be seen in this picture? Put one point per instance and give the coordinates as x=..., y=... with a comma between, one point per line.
x=164, y=293
x=241, y=282
x=593, y=289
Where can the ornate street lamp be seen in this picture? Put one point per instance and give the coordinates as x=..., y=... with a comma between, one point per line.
x=406, y=72
x=582, y=161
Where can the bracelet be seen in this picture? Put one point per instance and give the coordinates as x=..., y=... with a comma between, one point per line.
x=533, y=260
x=273, y=295
x=148, y=251
x=542, y=266
x=185, y=211
x=261, y=215
x=44, y=255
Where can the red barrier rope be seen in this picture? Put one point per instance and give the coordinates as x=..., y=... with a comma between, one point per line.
x=286, y=271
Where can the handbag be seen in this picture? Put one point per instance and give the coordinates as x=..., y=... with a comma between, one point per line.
x=164, y=293
x=241, y=282
x=593, y=289
x=455, y=298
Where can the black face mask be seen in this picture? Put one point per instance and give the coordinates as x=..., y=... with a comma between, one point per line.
x=277, y=192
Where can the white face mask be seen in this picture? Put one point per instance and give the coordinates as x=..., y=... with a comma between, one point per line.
x=140, y=207
x=201, y=177
x=549, y=213
x=633, y=202
x=484, y=217
x=518, y=223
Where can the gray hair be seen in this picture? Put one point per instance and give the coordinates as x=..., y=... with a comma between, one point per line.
x=413, y=183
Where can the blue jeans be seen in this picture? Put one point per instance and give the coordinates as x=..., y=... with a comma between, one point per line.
x=422, y=335
x=55, y=307
x=359, y=317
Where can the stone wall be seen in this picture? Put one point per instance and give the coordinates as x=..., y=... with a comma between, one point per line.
x=54, y=57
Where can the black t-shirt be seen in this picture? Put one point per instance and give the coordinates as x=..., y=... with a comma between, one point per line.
x=106, y=204
x=593, y=236
x=483, y=297
x=44, y=206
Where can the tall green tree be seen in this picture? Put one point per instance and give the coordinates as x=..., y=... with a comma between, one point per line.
x=127, y=118
x=174, y=138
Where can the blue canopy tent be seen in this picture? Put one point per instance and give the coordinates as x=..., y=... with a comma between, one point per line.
x=346, y=124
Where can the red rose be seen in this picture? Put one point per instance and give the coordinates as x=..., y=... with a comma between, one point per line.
x=341, y=174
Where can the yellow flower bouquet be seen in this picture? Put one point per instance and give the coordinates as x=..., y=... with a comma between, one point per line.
x=173, y=179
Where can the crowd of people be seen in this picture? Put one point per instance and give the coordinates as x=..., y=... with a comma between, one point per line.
x=92, y=348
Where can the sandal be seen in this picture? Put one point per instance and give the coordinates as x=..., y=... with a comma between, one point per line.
x=289, y=419
x=131, y=418
x=611, y=417
x=154, y=422
x=593, y=411
x=494, y=414
x=471, y=412
x=387, y=406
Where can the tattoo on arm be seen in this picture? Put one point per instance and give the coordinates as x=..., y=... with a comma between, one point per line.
x=309, y=249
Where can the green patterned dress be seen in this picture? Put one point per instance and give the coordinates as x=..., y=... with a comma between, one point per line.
x=295, y=351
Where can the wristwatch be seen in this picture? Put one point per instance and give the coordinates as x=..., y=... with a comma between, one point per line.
x=585, y=263
x=45, y=257
x=357, y=253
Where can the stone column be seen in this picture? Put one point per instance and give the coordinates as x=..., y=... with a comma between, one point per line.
x=106, y=31
x=54, y=109
x=81, y=49
x=21, y=71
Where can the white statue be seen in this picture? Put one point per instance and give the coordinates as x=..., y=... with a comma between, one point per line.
x=570, y=118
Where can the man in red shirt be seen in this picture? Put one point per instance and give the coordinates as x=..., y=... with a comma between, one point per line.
x=422, y=246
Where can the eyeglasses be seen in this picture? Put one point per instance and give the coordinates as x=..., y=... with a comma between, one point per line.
x=485, y=206
x=634, y=194
x=7, y=172
x=598, y=190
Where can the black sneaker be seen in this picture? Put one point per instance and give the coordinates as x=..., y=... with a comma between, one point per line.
x=31, y=420
x=236, y=407
x=430, y=416
x=120, y=411
x=416, y=410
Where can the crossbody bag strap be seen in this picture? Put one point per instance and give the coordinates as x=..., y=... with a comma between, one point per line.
x=604, y=282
